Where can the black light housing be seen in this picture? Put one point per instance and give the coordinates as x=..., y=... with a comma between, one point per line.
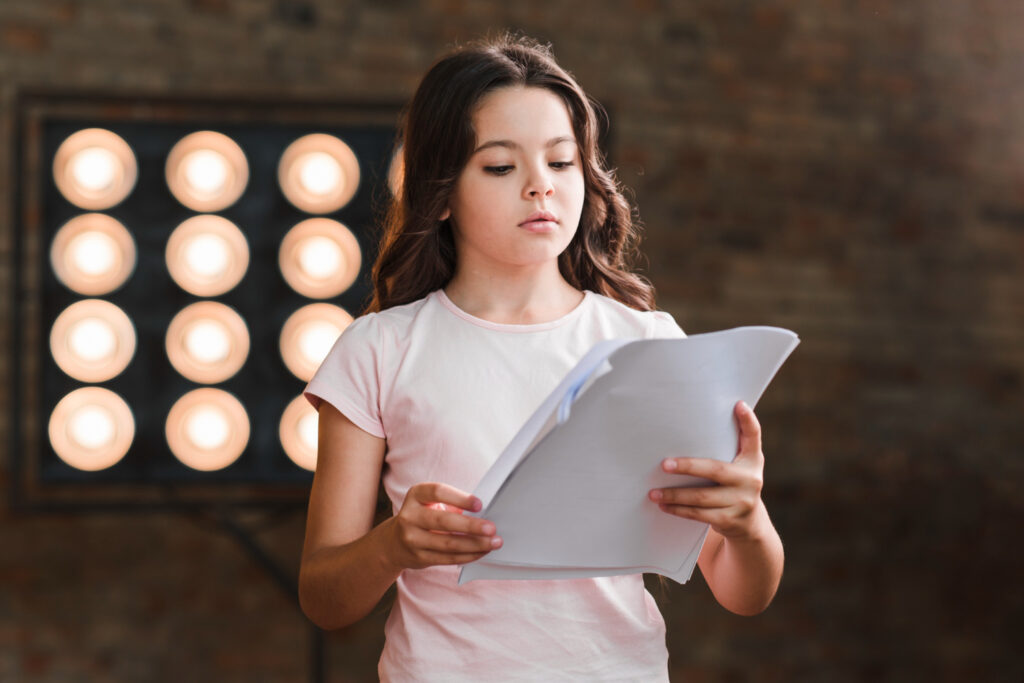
x=149, y=473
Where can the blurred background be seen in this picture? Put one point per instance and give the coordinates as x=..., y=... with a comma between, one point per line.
x=850, y=169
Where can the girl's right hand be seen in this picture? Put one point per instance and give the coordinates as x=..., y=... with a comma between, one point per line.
x=430, y=529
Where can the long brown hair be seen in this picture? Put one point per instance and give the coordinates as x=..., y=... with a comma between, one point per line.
x=417, y=250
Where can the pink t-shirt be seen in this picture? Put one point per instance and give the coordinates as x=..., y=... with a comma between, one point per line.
x=448, y=391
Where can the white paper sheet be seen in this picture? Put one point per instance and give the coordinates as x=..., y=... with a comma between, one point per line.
x=569, y=493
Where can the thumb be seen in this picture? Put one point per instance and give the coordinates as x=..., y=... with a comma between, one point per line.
x=750, y=431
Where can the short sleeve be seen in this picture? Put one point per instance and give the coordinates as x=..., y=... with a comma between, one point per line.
x=664, y=326
x=350, y=376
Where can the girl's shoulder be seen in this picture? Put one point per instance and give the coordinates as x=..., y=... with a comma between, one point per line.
x=646, y=324
x=393, y=320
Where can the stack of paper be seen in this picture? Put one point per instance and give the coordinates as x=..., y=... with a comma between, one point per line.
x=569, y=493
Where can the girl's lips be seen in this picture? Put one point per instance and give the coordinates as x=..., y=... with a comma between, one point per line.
x=539, y=226
x=539, y=217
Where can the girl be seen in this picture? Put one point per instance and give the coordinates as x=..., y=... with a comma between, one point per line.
x=502, y=262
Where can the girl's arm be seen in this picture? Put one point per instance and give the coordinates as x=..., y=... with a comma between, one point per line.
x=742, y=558
x=347, y=564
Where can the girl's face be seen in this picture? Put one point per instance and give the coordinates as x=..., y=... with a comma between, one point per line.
x=519, y=198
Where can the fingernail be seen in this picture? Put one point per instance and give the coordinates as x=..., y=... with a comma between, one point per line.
x=669, y=465
x=744, y=406
x=477, y=505
x=656, y=494
x=488, y=529
x=496, y=542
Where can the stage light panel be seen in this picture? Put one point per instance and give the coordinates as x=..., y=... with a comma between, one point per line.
x=308, y=335
x=127, y=258
x=95, y=169
x=91, y=429
x=320, y=258
x=92, y=340
x=207, y=255
x=93, y=254
x=318, y=173
x=207, y=171
x=299, y=433
x=207, y=429
x=207, y=342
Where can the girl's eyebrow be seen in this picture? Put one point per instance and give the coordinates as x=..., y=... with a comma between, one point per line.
x=514, y=145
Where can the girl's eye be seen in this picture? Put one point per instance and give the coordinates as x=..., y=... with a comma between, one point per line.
x=498, y=170
x=559, y=165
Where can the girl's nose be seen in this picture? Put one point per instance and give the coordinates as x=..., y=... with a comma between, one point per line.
x=538, y=185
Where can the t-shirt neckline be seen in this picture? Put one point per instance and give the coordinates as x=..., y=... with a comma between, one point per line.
x=512, y=327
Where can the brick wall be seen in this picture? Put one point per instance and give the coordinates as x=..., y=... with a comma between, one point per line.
x=850, y=169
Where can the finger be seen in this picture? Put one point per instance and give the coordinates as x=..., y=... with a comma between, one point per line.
x=459, y=558
x=441, y=520
x=433, y=492
x=704, y=497
x=712, y=516
x=453, y=543
x=717, y=471
x=750, y=430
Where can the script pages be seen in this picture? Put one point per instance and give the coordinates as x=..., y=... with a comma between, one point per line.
x=569, y=493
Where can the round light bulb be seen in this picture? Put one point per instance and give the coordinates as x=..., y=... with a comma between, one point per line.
x=92, y=427
x=92, y=339
x=309, y=430
x=94, y=253
x=298, y=432
x=207, y=428
x=208, y=341
x=208, y=255
x=206, y=171
x=308, y=335
x=319, y=173
x=94, y=168
x=320, y=257
x=316, y=340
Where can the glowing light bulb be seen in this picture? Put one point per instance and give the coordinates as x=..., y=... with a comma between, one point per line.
x=308, y=335
x=208, y=341
x=316, y=340
x=208, y=255
x=298, y=433
x=92, y=339
x=94, y=168
x=94, y=253
x=320, y=257
x=308, y=430
x=92, y=427
x=319, y=173
x=206, y=171
x=207, y=428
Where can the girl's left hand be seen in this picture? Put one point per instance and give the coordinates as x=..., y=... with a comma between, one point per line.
x=729, y=507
